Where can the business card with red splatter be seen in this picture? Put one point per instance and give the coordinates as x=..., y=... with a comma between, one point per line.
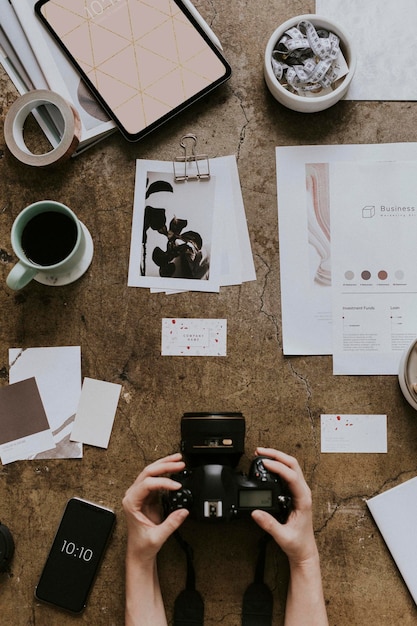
x=353, y=433
x=193, y=337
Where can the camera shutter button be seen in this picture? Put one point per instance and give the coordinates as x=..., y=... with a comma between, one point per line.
x=260, y=472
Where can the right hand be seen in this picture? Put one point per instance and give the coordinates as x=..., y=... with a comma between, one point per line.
x=296, y=536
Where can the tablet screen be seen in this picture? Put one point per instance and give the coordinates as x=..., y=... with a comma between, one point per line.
x=144, y=60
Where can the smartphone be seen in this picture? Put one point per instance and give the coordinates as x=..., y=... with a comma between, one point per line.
x=144, y=61
x=75, y=555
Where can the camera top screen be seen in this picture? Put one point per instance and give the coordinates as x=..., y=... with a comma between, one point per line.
x=261, y=498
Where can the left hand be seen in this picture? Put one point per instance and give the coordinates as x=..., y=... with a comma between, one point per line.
x=147, y=531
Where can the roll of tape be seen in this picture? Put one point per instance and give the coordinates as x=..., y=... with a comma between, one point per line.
x=15, y=120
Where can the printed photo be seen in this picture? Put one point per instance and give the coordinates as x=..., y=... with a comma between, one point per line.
x=176, y=239
x=172, y=232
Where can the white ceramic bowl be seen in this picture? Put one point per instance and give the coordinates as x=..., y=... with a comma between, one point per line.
x=309, y=104
x=407, y=374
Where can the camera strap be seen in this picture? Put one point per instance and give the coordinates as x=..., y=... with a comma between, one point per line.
x=257, y=600
x=189, y=605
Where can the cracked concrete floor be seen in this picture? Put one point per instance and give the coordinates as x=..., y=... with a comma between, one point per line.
x=118, y=329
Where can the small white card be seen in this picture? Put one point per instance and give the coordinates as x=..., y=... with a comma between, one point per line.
x=354, y=433
x=193, y=337
x=96, y=412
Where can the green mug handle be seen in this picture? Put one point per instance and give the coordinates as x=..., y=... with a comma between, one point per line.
x=20, y=275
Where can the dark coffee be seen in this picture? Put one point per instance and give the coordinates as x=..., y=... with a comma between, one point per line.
x=49, y=237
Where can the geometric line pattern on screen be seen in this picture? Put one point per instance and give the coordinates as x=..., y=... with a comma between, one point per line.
x=145, y=58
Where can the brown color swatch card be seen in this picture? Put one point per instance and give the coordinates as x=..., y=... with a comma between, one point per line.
x=24, y=427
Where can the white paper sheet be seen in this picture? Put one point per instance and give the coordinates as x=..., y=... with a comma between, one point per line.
x=57, y=372
x=395, y=513
x=374, y=264
x=377, y=29
x=304, y=243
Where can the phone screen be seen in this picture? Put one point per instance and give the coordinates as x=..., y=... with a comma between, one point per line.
x=75, y=555
x=144, y=61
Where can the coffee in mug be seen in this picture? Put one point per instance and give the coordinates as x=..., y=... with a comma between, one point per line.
x=52, y=245
x=49, y=238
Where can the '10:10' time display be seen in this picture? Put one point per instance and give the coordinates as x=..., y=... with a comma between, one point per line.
x=69, y=547
x=97, y=7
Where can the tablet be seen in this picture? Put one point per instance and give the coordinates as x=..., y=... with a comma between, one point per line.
x=145, y=61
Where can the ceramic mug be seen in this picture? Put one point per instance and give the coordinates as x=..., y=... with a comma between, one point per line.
x=52, y=245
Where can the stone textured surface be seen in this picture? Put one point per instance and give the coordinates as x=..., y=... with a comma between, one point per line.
x=118, y=329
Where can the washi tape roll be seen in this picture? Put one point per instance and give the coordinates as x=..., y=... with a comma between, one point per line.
x=15, y=121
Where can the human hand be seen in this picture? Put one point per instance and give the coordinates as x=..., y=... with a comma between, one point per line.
x=296, y=537
x=146, y=529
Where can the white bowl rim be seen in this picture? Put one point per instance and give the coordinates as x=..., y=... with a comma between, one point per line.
x=315, y=19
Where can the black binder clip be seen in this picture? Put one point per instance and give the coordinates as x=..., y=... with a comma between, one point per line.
x=191, y=166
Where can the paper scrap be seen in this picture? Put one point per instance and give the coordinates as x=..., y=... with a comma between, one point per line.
x=96, y=412
x=193, y=337
x=58, y=375
x=354, y=433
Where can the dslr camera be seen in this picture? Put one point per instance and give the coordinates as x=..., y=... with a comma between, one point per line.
x=211, y=487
